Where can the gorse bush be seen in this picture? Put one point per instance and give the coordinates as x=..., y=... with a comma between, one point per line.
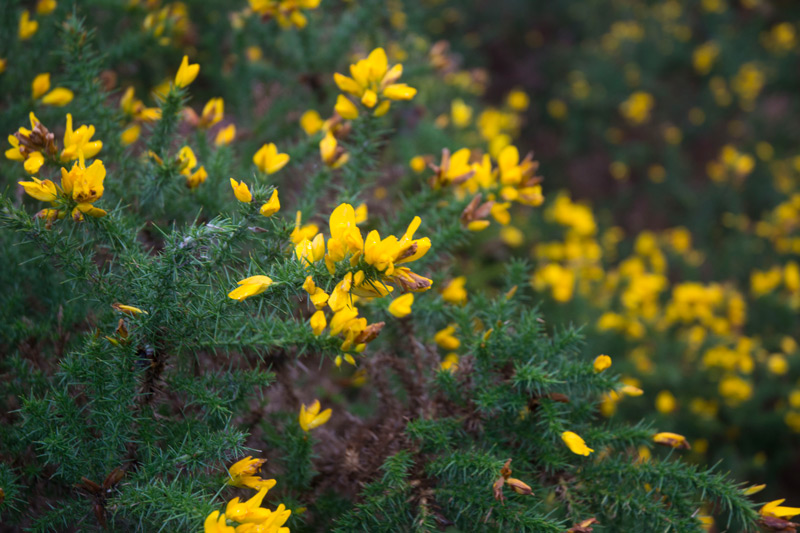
x=674, y=237
x=237, y=247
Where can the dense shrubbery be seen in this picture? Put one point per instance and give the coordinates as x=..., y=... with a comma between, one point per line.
x=289, y=239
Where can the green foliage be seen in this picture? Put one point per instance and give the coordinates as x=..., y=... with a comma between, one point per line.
x=141, y=388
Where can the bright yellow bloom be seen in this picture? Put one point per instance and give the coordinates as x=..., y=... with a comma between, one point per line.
x=272, y=206
x=130, y=134
x=249, y=511
x=775, y=510
x=40, y=85
x=186, y=159
x=241, y=191
x=85, y=186
x=226, y=135
x=418, y=164
x=518, y=100
x=345, y=108
x=213, y=112
x=666, y=402
x=33, y=163
x=318, y=322
x=216, y=523
x=454, y=292
x=575, y=443
x=317, y=296
x=268, y=160
x=401, y=306
x=446, y=338
x=636, y=109
x=78, y=143
x=244, y=474
x=59, y=96
x=753, y=489
x=300, y=232
x=332, y=154
x=27, y=27
x=45, y=7
x=3, y=64
x=601, y=363
x=45, y=191
x=374, y=83
x=671, y=439
x=311, y=417
x=186, y=73
x=630, y=390
x=128, y=309
x=251, y=286
x=288, y=13
x=196, y=178
x=450, y=362
x=311, y=122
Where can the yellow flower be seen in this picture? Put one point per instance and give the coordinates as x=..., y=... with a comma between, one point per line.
x=601, y=362
x=671, y=439
x=446, y=338
x=196, y=178
x=3, y=63
x=454, y=292
x=401, y=306
x=753, y=489
x=301, y=233
x=251, y=286
x=244, y=474
x=268, y=160
x=40, y=85
x=461, y=113
x=45, y=7
x=374, y=83
x=45, y=191
x=287, y=13
x=130, y=134
x=450, y=362
x=311, y=122
x=775, y=510
x=216, y=523
x=213, y=112
x=78, y=143
x=27, y=27
x=226, y=135
x=272, y=206
x=186, y=160
x=186, y=73
x=575, y=443
x=666, y=402
x=249, y=511
x=636, y=109
x=518, y=100
x=311, y=418
x=418, y=164
x=85, y=186
x=128, y=309
x=241, y=191
x=33, y=163
x=59, y=96
x=318, y=296
x=345, y=108
x=332, y=154
x=318, y=322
